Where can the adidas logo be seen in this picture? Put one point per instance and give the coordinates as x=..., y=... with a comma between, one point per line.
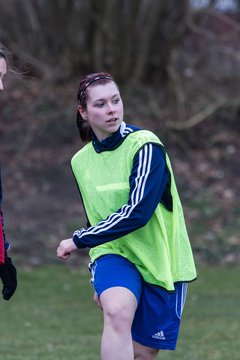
x=159, y=335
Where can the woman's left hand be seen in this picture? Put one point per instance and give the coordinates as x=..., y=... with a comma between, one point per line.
x=65, y=248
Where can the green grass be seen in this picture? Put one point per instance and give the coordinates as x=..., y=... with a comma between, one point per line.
x=52, y=317
x=213, y=230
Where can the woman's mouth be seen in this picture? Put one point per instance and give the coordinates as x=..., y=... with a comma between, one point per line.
x=112, y=120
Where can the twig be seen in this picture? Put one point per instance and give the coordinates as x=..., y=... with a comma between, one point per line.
x=202, y=115
x=224, y=18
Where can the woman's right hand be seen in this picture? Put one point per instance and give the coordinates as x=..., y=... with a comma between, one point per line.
x=65, y=248
x=97, y=301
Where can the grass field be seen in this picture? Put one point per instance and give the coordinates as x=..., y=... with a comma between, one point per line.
x=52, y=317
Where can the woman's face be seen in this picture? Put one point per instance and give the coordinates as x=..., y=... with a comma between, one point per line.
x=104, y=111
x=3, y=70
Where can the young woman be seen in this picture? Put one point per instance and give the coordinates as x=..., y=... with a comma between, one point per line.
x=8, y=272
x=141, y=258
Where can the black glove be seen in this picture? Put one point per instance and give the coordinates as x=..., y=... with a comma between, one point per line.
x=8, y=275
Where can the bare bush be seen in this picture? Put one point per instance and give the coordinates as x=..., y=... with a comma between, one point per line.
x=190, y=54
x=132, y=39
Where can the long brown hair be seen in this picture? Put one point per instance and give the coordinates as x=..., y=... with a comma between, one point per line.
x=101, y=78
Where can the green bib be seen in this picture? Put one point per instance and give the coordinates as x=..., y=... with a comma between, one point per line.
x=161, y=249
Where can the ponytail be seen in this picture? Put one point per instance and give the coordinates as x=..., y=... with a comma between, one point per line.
x=85, y=130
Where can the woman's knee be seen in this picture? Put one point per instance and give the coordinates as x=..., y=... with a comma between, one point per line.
x=119, y=307
x=118, y=315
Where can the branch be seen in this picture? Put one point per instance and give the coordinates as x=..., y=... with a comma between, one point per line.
x=224, y=18
x=208, y=34
x=227, y=50
x=199, y=30
x=178, y=89
x=202, y=115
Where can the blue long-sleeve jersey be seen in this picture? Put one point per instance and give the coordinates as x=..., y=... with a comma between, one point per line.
x=144, y=196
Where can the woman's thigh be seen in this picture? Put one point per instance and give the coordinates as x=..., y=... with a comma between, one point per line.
x=112, y=271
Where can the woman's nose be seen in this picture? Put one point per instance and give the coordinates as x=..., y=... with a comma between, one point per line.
x=110, y=108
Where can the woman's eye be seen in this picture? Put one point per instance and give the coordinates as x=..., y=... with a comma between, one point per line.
x=99, y=104
x=115, y=101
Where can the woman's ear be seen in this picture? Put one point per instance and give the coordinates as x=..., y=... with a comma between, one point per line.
x=82, y=112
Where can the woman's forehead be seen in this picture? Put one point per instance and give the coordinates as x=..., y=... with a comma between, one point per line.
x=102, y=91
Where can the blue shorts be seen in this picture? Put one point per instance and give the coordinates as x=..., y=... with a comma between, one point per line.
x=157, y=319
